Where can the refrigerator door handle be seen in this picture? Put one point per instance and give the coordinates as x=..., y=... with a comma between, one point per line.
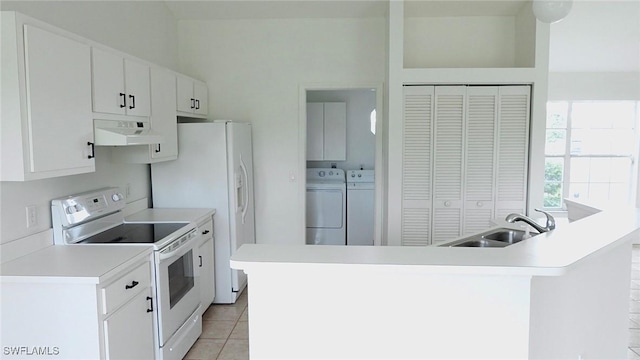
x=245, y=204
x=239, y=192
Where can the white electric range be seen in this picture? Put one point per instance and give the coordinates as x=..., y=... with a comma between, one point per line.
x=97, y=217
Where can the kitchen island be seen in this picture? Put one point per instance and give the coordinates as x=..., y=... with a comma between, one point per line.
x=559, y=295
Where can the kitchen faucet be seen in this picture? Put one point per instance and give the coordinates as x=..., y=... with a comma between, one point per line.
x=551, y=222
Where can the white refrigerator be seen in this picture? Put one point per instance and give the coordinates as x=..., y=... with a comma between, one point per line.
x=214, y=169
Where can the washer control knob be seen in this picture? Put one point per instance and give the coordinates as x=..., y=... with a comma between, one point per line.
x=330, y=173
x=359, y=175
x=353, y=175
x=71, y=209
x=321, y=173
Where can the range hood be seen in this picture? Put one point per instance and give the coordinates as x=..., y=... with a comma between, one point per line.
x=124, y=133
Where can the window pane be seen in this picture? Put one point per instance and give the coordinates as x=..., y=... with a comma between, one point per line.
x=553, y=173
x=580, y=168
x=579, y=191
x=619, y=192
x=556, y=142
x=552, y=195
x=599, y=192
x=621, y=170
x=600, y=170
x=553, y=169
x=557, y=114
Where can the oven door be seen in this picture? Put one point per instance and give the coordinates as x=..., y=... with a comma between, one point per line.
x=178, y=288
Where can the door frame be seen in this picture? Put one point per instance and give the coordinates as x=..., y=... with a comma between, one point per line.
x=380, y=173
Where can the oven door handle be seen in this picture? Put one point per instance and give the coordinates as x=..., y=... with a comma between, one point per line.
x=182, y=249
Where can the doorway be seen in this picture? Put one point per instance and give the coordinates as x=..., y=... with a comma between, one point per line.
x=360, y=149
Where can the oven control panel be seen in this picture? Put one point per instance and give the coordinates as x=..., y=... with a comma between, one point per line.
x=79, y=208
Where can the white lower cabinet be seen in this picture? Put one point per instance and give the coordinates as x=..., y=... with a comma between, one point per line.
x=206, y=266
x=75, y=318
x=135, y=317
x=465, y=159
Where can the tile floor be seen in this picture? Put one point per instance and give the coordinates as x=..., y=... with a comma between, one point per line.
x=225, y=327
x=225, y=333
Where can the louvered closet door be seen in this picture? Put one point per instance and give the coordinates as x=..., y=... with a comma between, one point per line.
x=479, y=193
x=513, y=140
x=416, y=164
x=448, y=180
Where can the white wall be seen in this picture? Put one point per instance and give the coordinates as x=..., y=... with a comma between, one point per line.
x=254, y=70
x=459, y=42
x=146, y=29
x=143, y=29
x=361, y=142
x=594, y=86
x=594, y=54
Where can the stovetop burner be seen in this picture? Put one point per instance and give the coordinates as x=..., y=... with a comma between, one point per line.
x=134, y=234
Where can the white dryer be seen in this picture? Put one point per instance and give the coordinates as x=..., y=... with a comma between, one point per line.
x=326, y=207
x=360, y=207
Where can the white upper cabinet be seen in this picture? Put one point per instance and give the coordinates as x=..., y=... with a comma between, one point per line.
x=120, y=86
x=327, y=131
x=163, y=115
x=163, y=121
x=192, y=96
x=47, y=127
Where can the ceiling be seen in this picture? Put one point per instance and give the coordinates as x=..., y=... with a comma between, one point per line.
x=282, y=9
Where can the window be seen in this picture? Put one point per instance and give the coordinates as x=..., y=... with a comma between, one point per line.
x=590, y=151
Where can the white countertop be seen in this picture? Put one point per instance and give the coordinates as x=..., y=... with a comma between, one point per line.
x=72, y=263
x=159, y=215
x=548, y=254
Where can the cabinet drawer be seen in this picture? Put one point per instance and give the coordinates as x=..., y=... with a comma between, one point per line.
x=206, y=230
x=123, y=289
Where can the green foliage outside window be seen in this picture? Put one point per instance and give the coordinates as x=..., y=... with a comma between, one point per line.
x=553, y=184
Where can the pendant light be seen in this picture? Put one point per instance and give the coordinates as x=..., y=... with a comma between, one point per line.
x=551, y=11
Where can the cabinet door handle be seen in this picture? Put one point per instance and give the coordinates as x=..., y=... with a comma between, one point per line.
x=150, y=304
x=193, y=103
x=158, y=148
x=205, y=232
x=124, y=100
x=93, y=150
x=133, y=284
x=133, y=101
x=197, y=104
x=199, y=256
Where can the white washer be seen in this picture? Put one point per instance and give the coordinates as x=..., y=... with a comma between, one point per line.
x=326, y=207
x=360, y=207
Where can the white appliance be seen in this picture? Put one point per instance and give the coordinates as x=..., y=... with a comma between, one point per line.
x=326, y=207
x=214, y=169
x=96, y=217
x=360, y=207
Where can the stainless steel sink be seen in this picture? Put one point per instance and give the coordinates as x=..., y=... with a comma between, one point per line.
x=481, y=243
x=495, y=238
x=509, y=236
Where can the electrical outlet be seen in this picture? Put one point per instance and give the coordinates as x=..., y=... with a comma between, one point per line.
x=32, y=216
